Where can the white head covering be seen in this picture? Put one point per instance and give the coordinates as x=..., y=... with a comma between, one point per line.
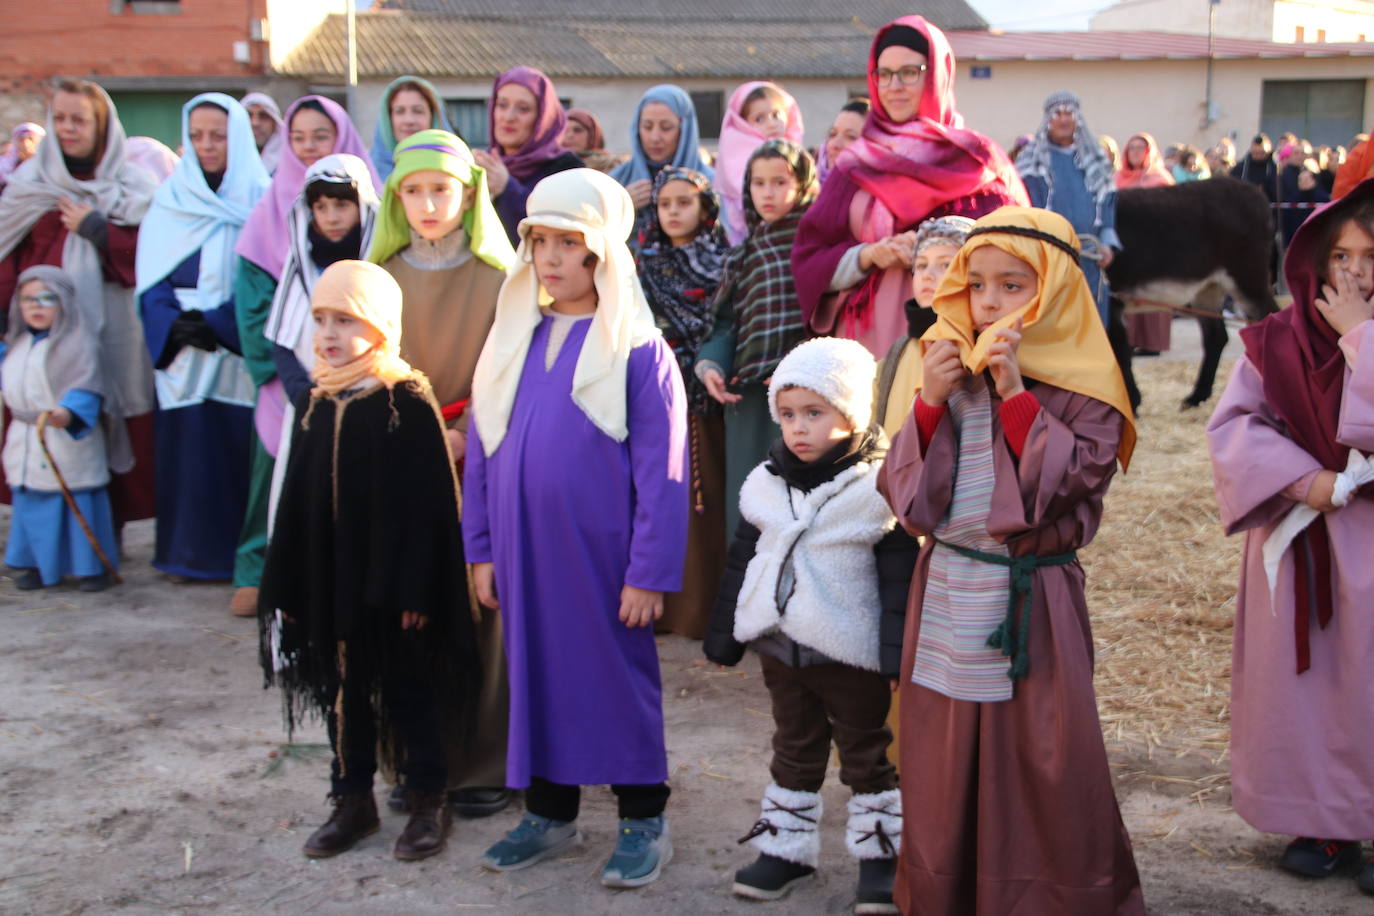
x=594, y=204
x=288, y=322
x=839, y=370
x=271, y=150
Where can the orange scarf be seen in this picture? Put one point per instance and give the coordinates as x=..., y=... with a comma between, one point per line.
x=1063, y=342
x=370, y=294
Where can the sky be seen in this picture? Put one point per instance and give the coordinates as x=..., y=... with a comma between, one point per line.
x=1047, y=15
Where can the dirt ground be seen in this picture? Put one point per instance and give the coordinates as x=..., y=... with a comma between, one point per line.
x=145, y=771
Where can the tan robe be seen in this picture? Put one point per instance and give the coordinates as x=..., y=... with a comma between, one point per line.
x=444, y=322
x=1013, y=810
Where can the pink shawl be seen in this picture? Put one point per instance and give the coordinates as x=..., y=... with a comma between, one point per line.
x=738, y=140
x=265, y=237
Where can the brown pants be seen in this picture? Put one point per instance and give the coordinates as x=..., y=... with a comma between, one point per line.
x=813, y=706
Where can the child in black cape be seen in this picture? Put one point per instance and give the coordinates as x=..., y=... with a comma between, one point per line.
x=364, y=610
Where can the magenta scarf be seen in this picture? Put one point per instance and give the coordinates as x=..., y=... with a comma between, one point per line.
x=738, y=140
x=1302, y=369
x=545, y=140
x=914, y=167
x=265, y=238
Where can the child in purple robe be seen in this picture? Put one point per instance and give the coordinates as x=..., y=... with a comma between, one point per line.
x=1292, y=429
x=575, y=519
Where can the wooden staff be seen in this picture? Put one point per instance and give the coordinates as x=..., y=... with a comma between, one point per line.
x=71, y=500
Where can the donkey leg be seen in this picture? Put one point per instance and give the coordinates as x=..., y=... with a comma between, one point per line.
x=1121, y=349
x=1214, y=338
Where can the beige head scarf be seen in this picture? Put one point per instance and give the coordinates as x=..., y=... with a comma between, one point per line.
x=589, y=202
x=368, y=293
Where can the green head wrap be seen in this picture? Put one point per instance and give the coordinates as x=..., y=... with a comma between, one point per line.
x=440, y=151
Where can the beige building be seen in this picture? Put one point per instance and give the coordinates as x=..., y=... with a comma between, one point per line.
x=1263, y=20
x=1157, y=82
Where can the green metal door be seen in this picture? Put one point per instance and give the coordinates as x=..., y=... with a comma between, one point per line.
x=152, y=114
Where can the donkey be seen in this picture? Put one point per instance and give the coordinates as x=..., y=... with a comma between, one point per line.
x=1192, y=244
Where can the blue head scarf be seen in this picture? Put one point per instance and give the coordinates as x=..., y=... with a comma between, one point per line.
x=688, y=154
x=186, y=216
x=383, y=151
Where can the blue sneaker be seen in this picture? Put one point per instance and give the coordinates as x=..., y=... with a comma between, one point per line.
x=533, y=840
x=642, y=848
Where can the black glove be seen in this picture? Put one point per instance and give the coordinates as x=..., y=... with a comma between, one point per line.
x=192, y=330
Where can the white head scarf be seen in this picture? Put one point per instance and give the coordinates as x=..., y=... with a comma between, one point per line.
x=288, y=322
x=271, y=150
x=594, y=204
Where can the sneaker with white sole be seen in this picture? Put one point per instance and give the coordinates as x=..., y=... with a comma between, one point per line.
x=533, y=840
x=642, y=848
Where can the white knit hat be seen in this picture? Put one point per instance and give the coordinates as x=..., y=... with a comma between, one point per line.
x=841, y=371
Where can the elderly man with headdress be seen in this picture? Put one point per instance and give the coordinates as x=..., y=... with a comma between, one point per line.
x=1066, y=170
x=269, y=131
x=77, y=205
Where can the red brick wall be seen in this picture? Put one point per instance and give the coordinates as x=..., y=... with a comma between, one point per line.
x=44, y=38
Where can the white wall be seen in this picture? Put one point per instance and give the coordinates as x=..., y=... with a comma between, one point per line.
x=614, y=101
x=1235, y=18
x=1164, y=98
x=1342, y=21
x=291, y=21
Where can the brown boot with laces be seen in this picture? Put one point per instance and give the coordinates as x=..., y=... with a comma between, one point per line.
x=354, y=817
x=427, y=829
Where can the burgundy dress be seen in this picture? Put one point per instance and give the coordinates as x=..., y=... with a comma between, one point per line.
x=1012, y=809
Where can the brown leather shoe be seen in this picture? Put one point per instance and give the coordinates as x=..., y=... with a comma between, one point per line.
x=354, y=817
x=427, y=828
x=245, y=602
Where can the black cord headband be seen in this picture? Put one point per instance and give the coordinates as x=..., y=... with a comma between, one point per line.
x=1027, y=232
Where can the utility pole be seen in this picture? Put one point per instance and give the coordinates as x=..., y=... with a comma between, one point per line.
x=1209, y=116
x=351, y=40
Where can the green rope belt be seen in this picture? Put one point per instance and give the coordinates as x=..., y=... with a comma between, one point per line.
x=1014, y=641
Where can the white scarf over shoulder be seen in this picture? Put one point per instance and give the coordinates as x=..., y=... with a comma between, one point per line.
x=121, y=191
x=589, y=202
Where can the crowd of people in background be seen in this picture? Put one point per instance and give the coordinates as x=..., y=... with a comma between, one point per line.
x=716, y=394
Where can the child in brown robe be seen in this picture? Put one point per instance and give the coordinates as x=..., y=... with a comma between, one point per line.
x=1021, y=419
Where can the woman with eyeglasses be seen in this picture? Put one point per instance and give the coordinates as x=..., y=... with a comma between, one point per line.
x=915, y=160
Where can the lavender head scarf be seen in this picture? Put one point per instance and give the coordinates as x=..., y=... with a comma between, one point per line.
x=265, y=238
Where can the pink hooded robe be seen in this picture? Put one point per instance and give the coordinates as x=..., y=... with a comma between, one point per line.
x=1302, y=744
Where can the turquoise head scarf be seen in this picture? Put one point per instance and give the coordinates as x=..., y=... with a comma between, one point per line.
x=384, y=137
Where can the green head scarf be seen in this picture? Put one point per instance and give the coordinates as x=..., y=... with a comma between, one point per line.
x=440, y=151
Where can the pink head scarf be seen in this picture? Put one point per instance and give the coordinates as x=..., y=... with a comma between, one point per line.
x=265, y=237
x=913, y=167
x=738, y=140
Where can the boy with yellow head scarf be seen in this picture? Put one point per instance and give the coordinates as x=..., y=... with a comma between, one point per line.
x=1019, y=422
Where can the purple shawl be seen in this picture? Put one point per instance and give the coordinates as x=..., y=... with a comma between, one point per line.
x=545, y=140
x=265, y=237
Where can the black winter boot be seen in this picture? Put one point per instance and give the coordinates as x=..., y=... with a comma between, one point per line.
x=771, y=878
x=874, y=893
x=354, y=817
